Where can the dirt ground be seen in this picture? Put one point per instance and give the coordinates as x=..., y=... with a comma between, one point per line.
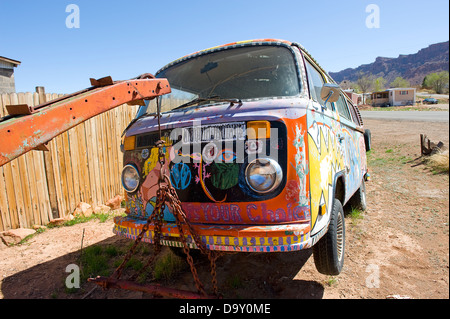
x=398, y=247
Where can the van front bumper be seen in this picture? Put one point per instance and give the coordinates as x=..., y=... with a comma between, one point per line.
x=231, y=238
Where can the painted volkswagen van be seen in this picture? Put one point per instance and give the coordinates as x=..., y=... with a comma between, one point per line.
x=263, y=149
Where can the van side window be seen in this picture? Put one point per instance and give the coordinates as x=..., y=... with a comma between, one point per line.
x=316, y=82
x=342, y=108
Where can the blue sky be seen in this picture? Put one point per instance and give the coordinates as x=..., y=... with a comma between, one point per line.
x=127, y=38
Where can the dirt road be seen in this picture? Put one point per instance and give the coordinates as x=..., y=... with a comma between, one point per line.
x=414, y=116
x=400, y=246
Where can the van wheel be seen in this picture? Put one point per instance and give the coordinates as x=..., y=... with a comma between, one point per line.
x=368, y=139
x=358, y=200
x=329, y=251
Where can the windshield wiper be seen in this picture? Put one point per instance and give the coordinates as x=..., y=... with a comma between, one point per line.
x=215, y=98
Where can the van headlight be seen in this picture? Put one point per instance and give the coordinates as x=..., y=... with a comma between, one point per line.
x=263, y=175
x=130, y=178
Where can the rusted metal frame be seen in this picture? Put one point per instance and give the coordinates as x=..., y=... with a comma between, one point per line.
x=155, y=289
x=95, y=83
x=25, y=133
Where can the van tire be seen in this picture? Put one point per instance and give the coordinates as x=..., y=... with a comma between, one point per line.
x=358, y=200
x=368, y=139
x=329, y=251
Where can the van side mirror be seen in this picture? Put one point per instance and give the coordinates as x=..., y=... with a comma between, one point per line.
x=329, y=93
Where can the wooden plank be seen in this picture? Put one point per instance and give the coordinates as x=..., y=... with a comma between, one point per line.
x=19, y=109
x=58, y=177
x=101, y=163
x=105, y=158
x=28, y=178
x=87, y=179
x=25, y=214
x=11, y=195
x=63, y=173
x=5, y=219
x=90, y=162
x=115, y=132
x=34, y=172
x=3, y=110
x=40, y=98
x=109, y=158
x=109, y=152
x=65, y=168
x=59, y=173
x=39, y=196
x=109, y=143
x=45, y=210
x=70, y=196
x=46, y=213
x=96, y=161
x=81, y=159
x=7, y=175
x=18, y=184
x=75, y=166
x=81, y=163
x=14, y=189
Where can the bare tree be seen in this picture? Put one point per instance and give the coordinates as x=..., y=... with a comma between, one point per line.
x=365, y=83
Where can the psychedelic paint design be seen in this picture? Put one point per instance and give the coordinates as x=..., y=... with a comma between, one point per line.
x=303, y=150
x=326, y=159
x=301, y=166
x=226, y=238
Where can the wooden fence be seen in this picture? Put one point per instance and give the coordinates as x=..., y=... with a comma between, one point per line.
x=83, y=165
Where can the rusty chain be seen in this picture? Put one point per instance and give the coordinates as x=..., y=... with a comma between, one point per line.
x=166, y=193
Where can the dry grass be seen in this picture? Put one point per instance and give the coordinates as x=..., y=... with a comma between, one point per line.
x=439, y=162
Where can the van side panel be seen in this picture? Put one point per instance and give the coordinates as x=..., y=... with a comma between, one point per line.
x=355, y=159
x=326, y=159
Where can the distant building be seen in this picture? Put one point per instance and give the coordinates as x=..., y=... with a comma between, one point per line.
x=355, y=97
x=7, y=82
x=394, y=97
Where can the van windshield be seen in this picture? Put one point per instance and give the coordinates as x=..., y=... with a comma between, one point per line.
x=231, y=74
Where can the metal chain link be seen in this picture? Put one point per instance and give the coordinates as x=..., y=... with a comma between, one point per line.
x=166, y=193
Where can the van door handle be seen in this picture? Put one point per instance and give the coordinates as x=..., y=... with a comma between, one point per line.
x=341, y=138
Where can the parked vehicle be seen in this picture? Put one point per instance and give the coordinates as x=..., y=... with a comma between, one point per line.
x=263, y=149
x=430, y=100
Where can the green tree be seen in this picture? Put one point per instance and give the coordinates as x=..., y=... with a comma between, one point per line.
x=437, y=81
x=400, y=82
x=379, y=84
